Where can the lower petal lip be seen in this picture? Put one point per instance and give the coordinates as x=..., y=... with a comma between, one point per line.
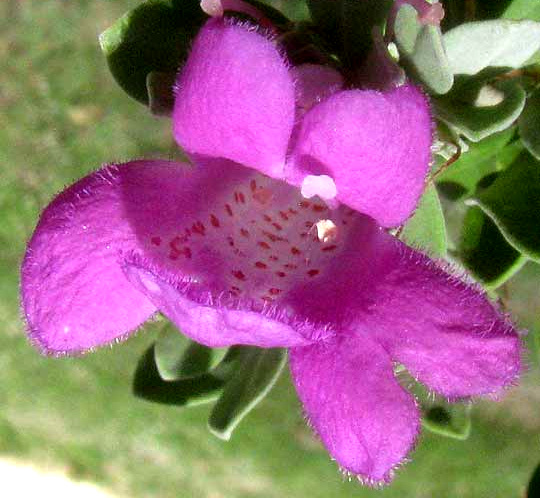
x=218, y=321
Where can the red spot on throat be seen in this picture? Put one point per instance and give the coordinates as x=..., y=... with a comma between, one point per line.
x=198, y=228
x=239, y=198
x=273, y=238
x=214, y=220
x=178, y=250
x=239, y=275
x=176, y=243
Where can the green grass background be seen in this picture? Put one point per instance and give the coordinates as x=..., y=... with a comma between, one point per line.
x=61, y=116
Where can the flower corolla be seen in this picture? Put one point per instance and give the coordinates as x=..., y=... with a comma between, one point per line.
x=230, y=250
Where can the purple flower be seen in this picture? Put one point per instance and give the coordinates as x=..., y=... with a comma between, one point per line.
x=235, y=254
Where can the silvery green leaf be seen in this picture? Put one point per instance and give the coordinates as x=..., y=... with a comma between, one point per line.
x=422, y=51
x=523, y=9
x=529, y=124
x=472, y=47
x=448, y=420
x=178, y=357
x=426, y=229
x=256, y=371
x=479, y=160
x=148, y=385
x=154, y=36
x=512, y=201
x=485, y=252
x=497, y=105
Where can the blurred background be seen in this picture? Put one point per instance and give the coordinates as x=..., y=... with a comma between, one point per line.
x=62, y=115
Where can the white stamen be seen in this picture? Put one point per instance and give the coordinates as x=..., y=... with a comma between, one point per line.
x=321, y=185
x=327, y=231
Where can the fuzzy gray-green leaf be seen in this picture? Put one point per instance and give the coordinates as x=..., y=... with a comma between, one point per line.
x=426, y=229
x=513, y=203
x=155, y=36
x=529, y=124
x=474, y=119
x=256, y=372
x=474, y=46
x=485, y=252
x=422, y=50
x=177, y=357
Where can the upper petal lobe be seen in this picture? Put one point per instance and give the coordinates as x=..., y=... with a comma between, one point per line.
x=376, y=147
x=235, y=99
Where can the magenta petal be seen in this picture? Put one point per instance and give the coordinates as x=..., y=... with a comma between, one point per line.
x=74, y=293
x=376, y=147
x=210, y=321
x=235, y=98
x=227, y=252
x=445, y=331
x=366, y=420
x=195, y=226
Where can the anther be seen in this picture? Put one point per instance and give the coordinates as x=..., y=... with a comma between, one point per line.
x=327, y=231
